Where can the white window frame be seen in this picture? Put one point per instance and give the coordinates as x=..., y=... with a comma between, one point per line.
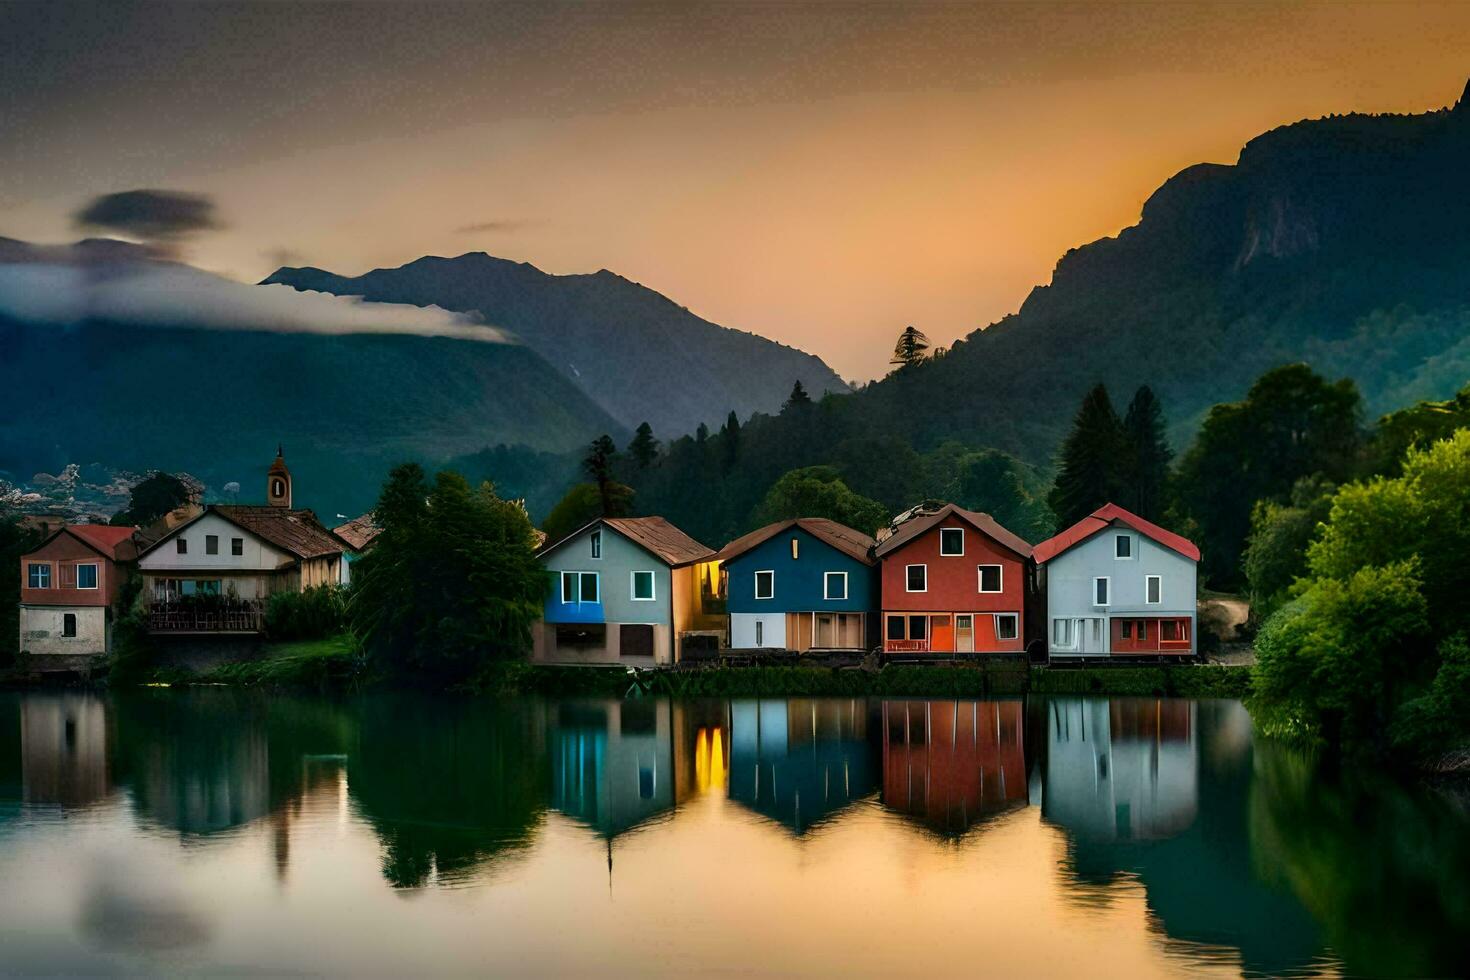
x=827, y=589
x=38, y=566
x=980, y=578
x=1016, y=630
x=1108, y=589
x=1069, y=629
x=594, y=541
x=1132, y=549
x=952, y=554
x=577, y=577
x=765, y=571
x=596, y=599
x=907, y=580
x=633, y=585
x=1148, y=581
x=96, y=576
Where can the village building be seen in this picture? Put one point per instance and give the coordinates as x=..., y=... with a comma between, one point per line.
x=805, y=584
x=358, y=535
x=626, y=590
x=954, y=581
x=214, y=573
x=68, y=587
x=1118, y=585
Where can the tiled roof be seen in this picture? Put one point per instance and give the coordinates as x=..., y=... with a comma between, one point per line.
x=114, y=542
x=661, y=538
x=359, y=532
x=295, y=531
x=1104, y=517
x=854, y=544
x=984, y=523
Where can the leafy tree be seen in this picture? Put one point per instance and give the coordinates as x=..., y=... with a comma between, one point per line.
x=911, y=349
x=1088, y=472
x=1276, y=554
x=1416, y=427
x=992, y=482
x=798, y=399
x=644, y=447
x=452, y=584
x=581, y=506
x=818, y=491
x=155, y=496
x=1146, y=461
x=1292, y=423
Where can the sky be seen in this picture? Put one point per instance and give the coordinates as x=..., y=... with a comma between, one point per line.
x=820, y=173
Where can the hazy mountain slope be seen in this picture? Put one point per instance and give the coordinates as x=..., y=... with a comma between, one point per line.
x=634, y=351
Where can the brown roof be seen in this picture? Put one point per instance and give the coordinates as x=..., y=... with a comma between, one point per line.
x=854, y=544
x=296, y=531
x=662, y=538
x=984, y=523
x=359, y=532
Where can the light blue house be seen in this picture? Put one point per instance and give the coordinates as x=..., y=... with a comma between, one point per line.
x=806, y=584
x=625, y=590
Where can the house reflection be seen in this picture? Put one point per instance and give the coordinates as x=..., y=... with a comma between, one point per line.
x=612, y=764
x=952, y=764
x=799, y=761
x=701, y=748
x=1121, y=769
x=64, y=750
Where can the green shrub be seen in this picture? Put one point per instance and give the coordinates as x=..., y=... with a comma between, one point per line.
x=312, y=614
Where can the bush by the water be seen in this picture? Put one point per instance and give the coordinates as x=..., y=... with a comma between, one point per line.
x=312, y=614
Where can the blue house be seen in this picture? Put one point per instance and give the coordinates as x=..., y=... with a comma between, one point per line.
x=807, y=584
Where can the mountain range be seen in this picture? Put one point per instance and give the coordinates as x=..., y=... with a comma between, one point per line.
x=636, y=353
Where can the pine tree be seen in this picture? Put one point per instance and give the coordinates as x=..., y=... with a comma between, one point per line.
x=1090, y=465
x=644, y=447
x=1147, y=458
x=798, y=399
x=730, y=440
x=912, y=347
x=598, y=464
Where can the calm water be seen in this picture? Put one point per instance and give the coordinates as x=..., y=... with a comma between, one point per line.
x=220, y=831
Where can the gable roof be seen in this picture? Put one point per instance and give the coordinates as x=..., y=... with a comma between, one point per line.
x=359, y=532
x=854, y=544
x=653, y=534
x=297, y=532
x=1104, y=517
x=984, y=523
x=109, y=541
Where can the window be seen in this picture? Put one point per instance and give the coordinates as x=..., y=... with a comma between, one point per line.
x=643, y=586
x=1006, y=626
x=237, y=546
x=87, y=576
x=1123, y=546
x=760, y=633
x=211, y=544
x=917, y=578
x=1155, y=589
x=589, y=591
x=765, y=585
x=990, y=578
x=1100, y=591
x=918, y=627
x=69, y=624
x=834, y=585
x=278, y=487
x=1169, y=630
x=181, y=546
x=568, y=586
x=795, y=548
x=951, y=541
x=1061, y=633
x=38, y=576
x=895, y=628
x=1142, y=629
x=596, y=542
x=1127, y=629
x=579, y=587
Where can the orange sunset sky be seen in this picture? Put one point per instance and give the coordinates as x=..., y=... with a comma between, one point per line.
x=819, y=173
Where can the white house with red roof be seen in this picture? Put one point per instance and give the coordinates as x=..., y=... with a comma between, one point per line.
x=68, y=586
x=1118, y=586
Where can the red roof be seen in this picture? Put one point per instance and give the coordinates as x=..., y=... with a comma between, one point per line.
x=106, y=538
x=1104, y=517
x=984, y=523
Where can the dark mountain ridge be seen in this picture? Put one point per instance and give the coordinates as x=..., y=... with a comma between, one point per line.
x=634, y=351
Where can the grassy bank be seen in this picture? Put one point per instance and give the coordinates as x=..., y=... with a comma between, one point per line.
x=332, y=662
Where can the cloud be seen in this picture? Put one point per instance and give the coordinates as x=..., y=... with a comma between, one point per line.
x=491, y=226
x=279, y=257
x=60, y=287
x=151, y=215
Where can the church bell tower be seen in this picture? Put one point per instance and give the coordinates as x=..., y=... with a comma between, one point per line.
x=278, y=482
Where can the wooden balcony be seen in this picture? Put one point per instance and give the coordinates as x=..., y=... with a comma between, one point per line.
x=223, y=616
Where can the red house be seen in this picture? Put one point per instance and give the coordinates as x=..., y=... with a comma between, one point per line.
x=954, y=581
x=68, y=586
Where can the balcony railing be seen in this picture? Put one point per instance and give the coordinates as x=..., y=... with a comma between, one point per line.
x=222, y=616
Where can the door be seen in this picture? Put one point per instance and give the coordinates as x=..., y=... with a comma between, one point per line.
x=941, y=634
x=964, y=634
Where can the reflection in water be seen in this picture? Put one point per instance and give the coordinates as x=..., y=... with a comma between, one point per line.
x=800, y=761
x=1243, y=857
x=951, y=764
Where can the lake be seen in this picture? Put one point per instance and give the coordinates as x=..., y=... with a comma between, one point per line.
x=227, y=831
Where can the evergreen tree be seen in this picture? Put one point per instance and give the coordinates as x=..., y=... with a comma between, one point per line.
x=1088, y=470
x=730, y=438
x=701, y=434
x=798, y=399
x=1147, y=458
x=912, y=347
x=598, y=464
x=644, y=447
